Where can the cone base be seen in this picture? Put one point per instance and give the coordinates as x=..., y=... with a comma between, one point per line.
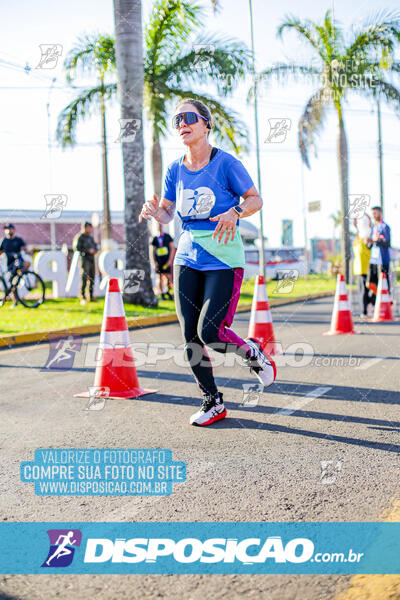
x=341, y=333
x=382, y=320
x=136, y=393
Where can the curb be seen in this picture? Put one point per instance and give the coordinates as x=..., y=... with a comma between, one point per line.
x=19, y=339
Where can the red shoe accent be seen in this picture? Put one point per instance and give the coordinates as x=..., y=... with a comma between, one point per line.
x=265, y=354
x=213, y=419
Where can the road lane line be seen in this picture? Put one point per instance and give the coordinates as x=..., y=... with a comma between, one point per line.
x=376, y=587
x=300, y=402
x=370, y=363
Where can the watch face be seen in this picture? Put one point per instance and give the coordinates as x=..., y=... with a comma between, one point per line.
x=238, y=209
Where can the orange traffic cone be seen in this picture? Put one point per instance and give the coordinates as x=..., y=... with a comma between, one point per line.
x=260, y=326
x=383, y=304
x=116, y=371
x=342, y=321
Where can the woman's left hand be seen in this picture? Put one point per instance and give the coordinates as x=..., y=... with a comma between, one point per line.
x=226, y=225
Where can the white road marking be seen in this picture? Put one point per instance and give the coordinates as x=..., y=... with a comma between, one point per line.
x=300, y=402
x=370, y=363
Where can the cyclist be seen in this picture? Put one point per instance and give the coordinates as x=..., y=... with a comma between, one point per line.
x=205, y=186
x=12, y=245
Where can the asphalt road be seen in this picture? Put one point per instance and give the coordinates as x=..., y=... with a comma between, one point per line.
x=321, y=444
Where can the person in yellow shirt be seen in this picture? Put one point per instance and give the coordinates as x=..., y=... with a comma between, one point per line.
x=362, y=254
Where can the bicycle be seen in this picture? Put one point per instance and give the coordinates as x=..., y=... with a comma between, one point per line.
x=27, y=286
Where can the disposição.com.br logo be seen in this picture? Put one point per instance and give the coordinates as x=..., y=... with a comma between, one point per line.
x=62, y=547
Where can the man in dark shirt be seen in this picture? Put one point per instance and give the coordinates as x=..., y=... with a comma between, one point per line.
x=87, y=248
x=163, y=257
x=380, y=250
x=12, y=245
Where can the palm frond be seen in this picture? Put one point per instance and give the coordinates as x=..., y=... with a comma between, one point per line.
x=311, y=122
x=306, y=30
x=81, y=107
x=381, y=29
x=91, y=52
x=282, y=72
x=171, y=23
x=221, y=62
x=378, y=88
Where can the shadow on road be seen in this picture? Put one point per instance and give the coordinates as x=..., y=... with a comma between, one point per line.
x=250, y=424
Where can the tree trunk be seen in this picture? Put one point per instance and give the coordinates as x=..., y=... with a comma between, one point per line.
x=129, y=58
x=344, y=195
x=106, y=231
x=156, y=165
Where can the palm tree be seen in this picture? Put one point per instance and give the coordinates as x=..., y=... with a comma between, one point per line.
x=343, y=64
x=174, y=63
x=129, y=61
x=93, y=53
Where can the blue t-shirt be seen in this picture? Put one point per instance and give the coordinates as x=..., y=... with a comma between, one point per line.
x=380, y=254
x=200, y=195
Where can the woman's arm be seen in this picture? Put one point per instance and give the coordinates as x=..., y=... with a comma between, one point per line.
x=163, y=212
x=227, y=220
x=252, y=202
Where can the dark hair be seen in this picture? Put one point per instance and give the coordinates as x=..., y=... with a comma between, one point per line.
x=201, y=107
x=377, y=208
x=87, y=224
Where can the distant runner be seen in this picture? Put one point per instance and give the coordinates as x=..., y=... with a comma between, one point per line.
x=163, y=258
x=205, y=186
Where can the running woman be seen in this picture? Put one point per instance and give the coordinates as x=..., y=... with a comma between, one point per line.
x=205, y=186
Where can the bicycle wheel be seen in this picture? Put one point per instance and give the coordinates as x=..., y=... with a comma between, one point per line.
x=3, y=290
x=30, y=289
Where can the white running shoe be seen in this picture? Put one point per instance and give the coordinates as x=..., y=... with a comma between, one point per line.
x=212, y=409
x=261, y=364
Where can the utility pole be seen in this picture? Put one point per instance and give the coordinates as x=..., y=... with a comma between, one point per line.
x=306, y=261
x=380, y=153
x=262, y=253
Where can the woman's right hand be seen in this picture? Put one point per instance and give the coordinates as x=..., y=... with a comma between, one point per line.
x=149, y=209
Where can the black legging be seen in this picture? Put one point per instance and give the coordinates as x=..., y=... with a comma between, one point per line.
x=205, y=304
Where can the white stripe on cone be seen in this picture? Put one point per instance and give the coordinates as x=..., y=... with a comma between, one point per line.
x=120, y=338
x=114, y=306
x=342, y=288
x=261, y=316
x=261, y=293
x=344, y=305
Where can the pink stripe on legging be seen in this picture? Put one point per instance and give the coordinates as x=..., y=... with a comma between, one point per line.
x=225, y=334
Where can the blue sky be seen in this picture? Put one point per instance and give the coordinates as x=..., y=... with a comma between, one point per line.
x=30, y=171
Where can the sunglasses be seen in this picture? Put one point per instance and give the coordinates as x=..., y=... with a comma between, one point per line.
x=189, y=118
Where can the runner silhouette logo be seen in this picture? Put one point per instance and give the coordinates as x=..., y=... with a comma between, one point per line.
x=62, y=547
x=62, y=353
x=196, y=204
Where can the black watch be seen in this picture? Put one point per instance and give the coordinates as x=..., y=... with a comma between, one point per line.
x=238, y=210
